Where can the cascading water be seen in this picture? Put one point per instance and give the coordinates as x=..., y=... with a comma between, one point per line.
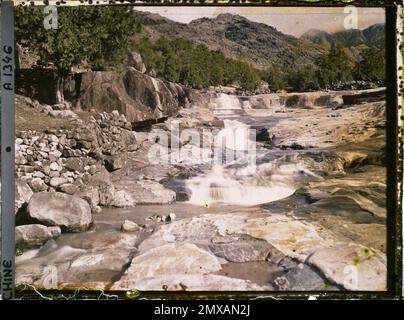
x=220, y=186
x=235, y=181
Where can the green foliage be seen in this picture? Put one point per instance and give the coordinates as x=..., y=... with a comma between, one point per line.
x=179, y=60
x=95, y=36
x=275, y=78
x=334, y=67
x=99, y=38
x=303, y=79
x=372, y=65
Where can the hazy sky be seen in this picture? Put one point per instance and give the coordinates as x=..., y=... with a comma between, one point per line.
x=294, y=21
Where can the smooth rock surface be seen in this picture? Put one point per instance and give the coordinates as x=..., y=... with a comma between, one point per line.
x=70, y=213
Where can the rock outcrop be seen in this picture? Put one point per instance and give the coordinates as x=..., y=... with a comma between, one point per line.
x=70, y=213
x=34, y=235
x=138, y=96
x=73, y=161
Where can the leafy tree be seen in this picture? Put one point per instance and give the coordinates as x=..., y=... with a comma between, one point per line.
x=303, y=78
x=275, y=77
x=372, y=65
x=93, y=36
x=334, y=67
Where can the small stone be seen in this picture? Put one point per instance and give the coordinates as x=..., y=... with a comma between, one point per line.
x=93, y=169
x=171, y=217
x=37, y=185
x=55, y=231
x=54, y=174
x=38, y=174
x=54, y=166
x=129, y=226
x=281, y=283
x=68, y=188
x=53, y=138
x=57, y=181
x=96, y=209
x=75, y=164
x=54, y=155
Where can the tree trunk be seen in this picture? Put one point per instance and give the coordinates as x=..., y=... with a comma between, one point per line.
x=59, y=89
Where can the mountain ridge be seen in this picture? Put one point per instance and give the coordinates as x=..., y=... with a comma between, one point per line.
x=261, y=45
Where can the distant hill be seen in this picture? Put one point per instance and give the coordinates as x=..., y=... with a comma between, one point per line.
x=373, y=36
x=237, y=37
x=260, y=44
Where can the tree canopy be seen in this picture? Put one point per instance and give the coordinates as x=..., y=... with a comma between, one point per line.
x=95, y=36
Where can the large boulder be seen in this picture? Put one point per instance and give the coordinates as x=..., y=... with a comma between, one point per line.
x=71, y=213
x=129, y=193
x=33, y=235
x=171, y=259
x=136, y=95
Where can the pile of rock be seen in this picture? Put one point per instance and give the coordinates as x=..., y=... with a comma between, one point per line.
x=63, y=175
x=55, y=159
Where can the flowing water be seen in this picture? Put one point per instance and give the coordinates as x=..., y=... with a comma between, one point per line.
x=238, y=181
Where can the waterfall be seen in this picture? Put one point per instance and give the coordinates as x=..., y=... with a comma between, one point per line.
x=235, y=181
x=219, y=186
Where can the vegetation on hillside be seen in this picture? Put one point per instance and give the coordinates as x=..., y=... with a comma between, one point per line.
x=98, y=38
x=179, y=60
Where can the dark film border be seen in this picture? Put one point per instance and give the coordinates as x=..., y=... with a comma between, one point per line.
x=7, y=152
x=394, y=167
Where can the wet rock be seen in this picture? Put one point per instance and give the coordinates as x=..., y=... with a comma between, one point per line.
x=281, y=283
x=23, y=194
x=370, y=96
x=303, y=278
x=34, y=235
x=90, y=194
x=298, y=101
x=143, y=192
x=296, y=146
x=241, y=248
x=170, y=259
x=123, y=199
x=96, y=209
x=129, y=226
x=70, y=213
